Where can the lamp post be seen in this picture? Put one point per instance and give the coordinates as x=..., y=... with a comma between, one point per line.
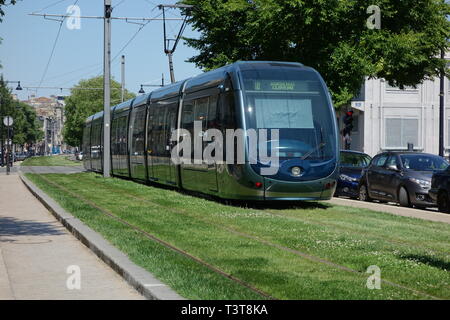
x=2, y=148
x=441, y=108
x=8, y=122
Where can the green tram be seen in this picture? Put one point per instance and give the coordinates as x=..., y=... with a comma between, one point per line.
x=288, y=97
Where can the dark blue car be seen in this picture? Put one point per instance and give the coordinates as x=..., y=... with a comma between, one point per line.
x=350, y=172
x=440, y=189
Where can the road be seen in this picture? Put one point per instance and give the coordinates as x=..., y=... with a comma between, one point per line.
x=430, y=214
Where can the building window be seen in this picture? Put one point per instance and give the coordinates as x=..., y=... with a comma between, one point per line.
x=400, y=132
x=397, y=89
x=355, y=123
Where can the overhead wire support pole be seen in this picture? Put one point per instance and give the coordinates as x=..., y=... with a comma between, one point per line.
x=123, y=79
x=441, y=108
x=107, y=90
x=169, y=51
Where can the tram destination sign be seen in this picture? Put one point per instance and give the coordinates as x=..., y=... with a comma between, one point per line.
x=282, y=85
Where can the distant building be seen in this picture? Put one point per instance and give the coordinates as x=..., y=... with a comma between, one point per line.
x=50, y=111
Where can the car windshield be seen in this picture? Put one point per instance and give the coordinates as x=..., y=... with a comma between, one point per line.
x=423, y=162
x=295, y=102
x=357, y=160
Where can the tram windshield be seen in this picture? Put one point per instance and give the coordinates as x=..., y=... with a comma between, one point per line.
x=295, y=102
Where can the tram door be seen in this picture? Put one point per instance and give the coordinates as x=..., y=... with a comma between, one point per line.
x=160, y=146
x=202, y=108
x=171, y=125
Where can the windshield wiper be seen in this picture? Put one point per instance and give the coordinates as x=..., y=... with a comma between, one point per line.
x=319, y=147
x=310, y=152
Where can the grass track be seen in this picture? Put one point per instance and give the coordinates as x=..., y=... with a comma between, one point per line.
x=55, y=160
x=269, y=268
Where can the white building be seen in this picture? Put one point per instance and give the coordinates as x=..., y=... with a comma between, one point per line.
x=387, y=118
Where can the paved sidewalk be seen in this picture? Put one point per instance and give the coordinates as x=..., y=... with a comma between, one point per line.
x=394, y=209
x=36, y=250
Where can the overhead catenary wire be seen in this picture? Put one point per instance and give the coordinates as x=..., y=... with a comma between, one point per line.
x=62, y=18
x=53, y=48
x=66, y=88
x=50, y=5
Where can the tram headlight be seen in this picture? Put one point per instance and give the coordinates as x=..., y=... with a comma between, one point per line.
x=296, y=171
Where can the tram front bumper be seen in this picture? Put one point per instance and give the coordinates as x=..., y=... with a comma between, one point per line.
x=322, y=189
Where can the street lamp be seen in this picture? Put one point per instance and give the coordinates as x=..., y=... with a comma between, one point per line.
x=19, y=88
x=141, y=91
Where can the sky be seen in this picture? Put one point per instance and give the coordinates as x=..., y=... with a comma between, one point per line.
x=28, y=41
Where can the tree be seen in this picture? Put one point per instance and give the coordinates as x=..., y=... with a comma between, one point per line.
x=26, y=127
x=5, y=3
x=83, y=103
x=329, y=35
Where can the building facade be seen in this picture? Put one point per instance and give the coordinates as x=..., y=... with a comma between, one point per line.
x=50, y=111
x=387, y=118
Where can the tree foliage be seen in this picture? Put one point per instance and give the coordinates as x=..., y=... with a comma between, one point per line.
x=329, y=35
x=26, y=127
x=83, y=103
x=5, y=3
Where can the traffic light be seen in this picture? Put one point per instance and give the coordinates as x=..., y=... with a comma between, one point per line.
x=348, y=123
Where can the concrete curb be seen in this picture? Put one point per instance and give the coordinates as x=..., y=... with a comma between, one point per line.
x=140, y=279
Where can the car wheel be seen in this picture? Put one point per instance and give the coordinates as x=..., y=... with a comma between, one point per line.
x=443, y=202
x=363, y=193
x=403, y=197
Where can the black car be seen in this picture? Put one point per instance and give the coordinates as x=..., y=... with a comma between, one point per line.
x=440, y=190
x=351, y=166
x=403, y=177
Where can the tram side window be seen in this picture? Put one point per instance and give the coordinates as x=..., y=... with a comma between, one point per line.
x=159, y=131
x=138, y=132
x=151, y=129
x=187, y=117
x=100, y=143
x=212, y=113
x=226, y=115
x=86, y=140
x=122, y=135
x=114, y=137
x=201, y=111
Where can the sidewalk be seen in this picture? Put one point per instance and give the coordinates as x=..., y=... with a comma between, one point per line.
x=394, y=209
x=36, y=251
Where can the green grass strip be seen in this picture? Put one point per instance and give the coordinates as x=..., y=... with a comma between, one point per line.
x=199, y=231
x=55, y=160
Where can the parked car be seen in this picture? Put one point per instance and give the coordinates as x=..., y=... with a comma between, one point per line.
x=403, y=177
x=20, y=156
x=351, y=167
x=440, y=190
